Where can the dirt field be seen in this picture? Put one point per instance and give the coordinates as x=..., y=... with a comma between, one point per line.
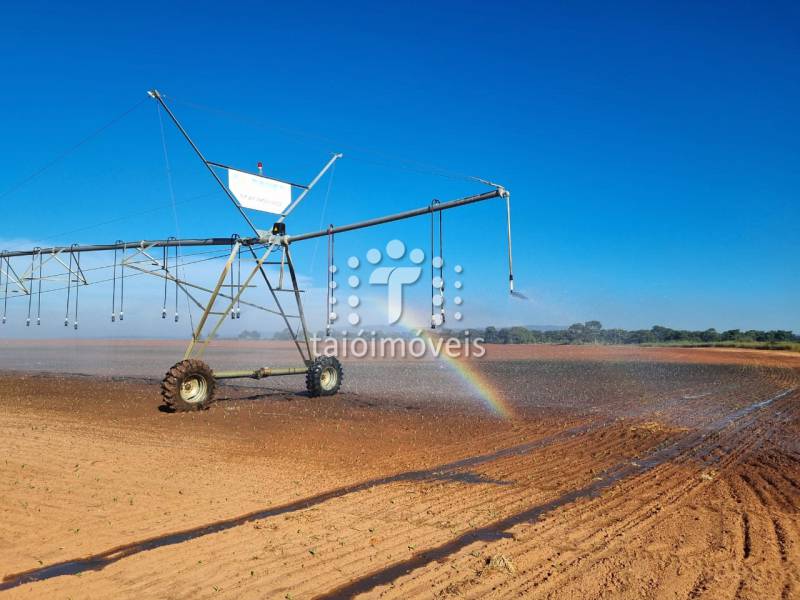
x=625, y=473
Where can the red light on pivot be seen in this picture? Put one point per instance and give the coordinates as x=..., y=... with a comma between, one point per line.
x=260, y=168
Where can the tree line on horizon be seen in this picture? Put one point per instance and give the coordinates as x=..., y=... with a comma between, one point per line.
x=592, y=332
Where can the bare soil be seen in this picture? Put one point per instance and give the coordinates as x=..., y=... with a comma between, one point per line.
x=626, y=473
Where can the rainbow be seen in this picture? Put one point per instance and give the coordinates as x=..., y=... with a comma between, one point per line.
x=466, y=370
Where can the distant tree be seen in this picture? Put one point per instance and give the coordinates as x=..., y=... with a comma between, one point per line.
x=614, y=336
x=709, y=335
x=576, y=333
x=250, y=335
x=663, y=334
x=780, y=335
x=520, y=335
x=282, y=335
x=593, y=330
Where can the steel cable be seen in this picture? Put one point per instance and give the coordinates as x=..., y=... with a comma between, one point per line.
x=70, y=150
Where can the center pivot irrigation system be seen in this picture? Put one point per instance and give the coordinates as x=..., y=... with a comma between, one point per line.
x=189, y=384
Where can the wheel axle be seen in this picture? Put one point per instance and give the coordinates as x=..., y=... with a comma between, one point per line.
x=190, y=384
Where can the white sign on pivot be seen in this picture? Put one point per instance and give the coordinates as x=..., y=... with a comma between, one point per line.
x=259, y=193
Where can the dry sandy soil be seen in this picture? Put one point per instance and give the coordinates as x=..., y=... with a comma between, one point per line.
x=626, y=473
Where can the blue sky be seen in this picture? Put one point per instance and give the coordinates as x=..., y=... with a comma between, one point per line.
x=651, y=150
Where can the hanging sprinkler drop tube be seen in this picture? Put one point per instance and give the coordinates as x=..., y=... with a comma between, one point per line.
x=177, y=264
x=69, y=289
x=441, y=266
x=114, y=288
x=78, y=276
x=433, y=257
x=234, y=239
x=122, y=284
x=239, y=283
x=30, y=288
x=329, y=299
x=166, y=282
x=507, y=195
x=5, y=293
x=39, y=297
x=508, y=233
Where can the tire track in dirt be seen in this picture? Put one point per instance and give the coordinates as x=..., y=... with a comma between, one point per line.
x=457, y=498
x=521, y=497
x=573, y=438
x=121, y=552
x=102, y=559
x=691, y=444
x=768, y=534
x=628, y=520
x=548, y=471
x=484, y=491
x=677, y=488
x=752, y=447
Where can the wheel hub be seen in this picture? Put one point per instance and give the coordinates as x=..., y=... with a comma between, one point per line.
x=328, y=378
x=193, y=389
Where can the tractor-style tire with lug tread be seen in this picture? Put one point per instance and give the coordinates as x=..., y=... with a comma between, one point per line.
x=324, y=377
x=188, y=385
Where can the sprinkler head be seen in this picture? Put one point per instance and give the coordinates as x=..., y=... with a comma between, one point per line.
x=66, y=322
x=163, y=313
x=113, y=318
x=121, y=317
x=27, y=322
x=38, y=321
x=176, y=317
x=76, y=325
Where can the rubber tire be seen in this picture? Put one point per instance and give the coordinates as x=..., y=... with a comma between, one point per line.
x=175, y=378
x=314, y=376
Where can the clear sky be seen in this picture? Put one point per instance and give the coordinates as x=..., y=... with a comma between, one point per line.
x=652, y=150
